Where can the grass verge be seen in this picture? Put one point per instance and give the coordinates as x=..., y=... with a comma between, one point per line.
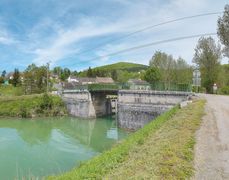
x=163, y=149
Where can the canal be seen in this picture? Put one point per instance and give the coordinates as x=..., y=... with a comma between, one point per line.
x=48, y=146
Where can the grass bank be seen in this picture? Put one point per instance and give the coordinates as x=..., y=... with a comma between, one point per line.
x=31, y=106
x=163, y=149
x=9, y=90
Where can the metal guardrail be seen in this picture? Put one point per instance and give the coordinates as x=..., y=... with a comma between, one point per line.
x=158, y=86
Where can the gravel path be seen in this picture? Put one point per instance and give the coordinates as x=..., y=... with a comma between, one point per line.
x=212, y=147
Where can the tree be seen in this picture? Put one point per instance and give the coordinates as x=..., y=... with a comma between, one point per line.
x=35, y=79
x=57, y=70
x=166, y=65
x=207, y=58
x=124, y=76
x=4, y=73
x=16, y=78
x=64, y=74
x=89, y=72
x=152, y=75
x=223, y=30
x=114, y=75
x=74, y=73
x=183, y=71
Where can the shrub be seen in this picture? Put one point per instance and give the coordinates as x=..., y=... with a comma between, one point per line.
x=224, y=90
x=46, y=102
x=23, y=112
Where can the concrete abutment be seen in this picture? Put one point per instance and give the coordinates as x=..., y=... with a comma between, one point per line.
x=134, y=108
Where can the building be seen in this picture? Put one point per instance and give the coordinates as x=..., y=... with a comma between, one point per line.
x=81, y=82
x=137, y=84
x=10, y=76
x=72, y=79
x=54, y=77
x=104, y=80
x=87, y=80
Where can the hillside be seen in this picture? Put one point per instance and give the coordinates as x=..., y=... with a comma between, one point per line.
x=131, y=67
x=120, y=72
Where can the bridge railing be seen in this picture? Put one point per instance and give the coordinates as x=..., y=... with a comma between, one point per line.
x=99, y=87
x=164, y=86
x=159, y=86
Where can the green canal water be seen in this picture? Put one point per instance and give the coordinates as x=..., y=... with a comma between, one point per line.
x=47, y=146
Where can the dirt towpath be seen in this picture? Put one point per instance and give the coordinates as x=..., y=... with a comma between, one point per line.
x=212, y=147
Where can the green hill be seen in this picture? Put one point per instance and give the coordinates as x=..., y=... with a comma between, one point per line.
x=126, y=66
x=120, y=72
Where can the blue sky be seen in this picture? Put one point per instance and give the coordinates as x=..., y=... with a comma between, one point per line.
x=35, y=31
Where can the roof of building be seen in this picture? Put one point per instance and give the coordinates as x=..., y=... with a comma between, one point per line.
x=8, y=75
x=86, y=80
x=70, y=85
x=105, y=80
x=73, y=77
x=138, y=82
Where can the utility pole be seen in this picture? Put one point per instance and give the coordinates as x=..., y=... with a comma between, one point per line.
x=48, y=76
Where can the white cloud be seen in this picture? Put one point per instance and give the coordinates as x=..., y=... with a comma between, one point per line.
x=5, y=38
x=61, y=46
x=174, y=9
x=62, y=42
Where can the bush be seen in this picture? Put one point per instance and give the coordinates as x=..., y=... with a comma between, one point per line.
x=224, y=90
x=23, y=112
x=200, y=90
x=46, y=102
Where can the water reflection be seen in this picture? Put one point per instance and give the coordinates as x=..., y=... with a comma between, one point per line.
x=52, y=145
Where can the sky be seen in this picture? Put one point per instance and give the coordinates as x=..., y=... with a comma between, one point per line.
x=78, y=33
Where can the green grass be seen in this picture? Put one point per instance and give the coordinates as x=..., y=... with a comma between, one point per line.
x=9, y=90
x=163, y=149
x=30, y=106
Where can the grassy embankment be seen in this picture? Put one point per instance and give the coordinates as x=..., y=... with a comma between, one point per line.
x=31, y=106
x=163, y=149
x=8, y=90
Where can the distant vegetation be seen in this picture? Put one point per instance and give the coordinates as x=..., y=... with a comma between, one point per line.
x=120, y=72
x=167, y=69
x=125, y=66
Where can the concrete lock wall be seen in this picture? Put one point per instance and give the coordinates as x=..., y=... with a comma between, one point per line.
x=151, y=97
x=79, y=104
x=135, y=116
x=136, y=108
x=101, y=104
x=87, y=104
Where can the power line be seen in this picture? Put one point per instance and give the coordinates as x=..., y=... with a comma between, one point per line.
x=148, y=28
x=151, y=44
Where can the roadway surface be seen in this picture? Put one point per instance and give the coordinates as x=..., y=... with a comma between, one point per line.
x=212, y=147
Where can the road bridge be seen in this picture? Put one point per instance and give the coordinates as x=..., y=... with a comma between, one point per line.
x=134, y=108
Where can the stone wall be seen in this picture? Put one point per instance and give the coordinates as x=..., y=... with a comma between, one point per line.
x=137, y=108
